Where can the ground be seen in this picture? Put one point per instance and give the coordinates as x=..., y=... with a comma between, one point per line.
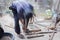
x=7, y=23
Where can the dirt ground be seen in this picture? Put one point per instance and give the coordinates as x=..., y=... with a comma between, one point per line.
x=7, y=23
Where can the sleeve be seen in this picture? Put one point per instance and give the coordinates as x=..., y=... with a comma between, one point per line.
x=32, y=9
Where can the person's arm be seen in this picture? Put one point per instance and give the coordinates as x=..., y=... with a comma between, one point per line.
x=32, y=9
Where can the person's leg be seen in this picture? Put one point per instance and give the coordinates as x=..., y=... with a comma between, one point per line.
x=57, y=21
x=25, y=24
x=16, y=19
x=31, y=20
x=26, y=21
x=22, y=21
x=17, y=27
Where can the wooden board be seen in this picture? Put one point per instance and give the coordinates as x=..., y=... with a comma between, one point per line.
x=35, y=30
x=41, y=33
x=35, y=36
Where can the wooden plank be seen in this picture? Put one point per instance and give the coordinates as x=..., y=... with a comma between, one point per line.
x=29, y=37
x=35, y=30
x=41, y=33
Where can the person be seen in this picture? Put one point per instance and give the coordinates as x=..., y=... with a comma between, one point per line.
x=1, y=32
x=23, y=11
x=4, y=34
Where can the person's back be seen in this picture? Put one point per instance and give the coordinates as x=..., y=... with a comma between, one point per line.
x=18, y=4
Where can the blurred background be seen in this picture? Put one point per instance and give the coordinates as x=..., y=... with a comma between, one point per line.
x=44, y=9
x=40, y=6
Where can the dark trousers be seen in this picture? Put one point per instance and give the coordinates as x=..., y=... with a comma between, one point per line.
x=16, y=19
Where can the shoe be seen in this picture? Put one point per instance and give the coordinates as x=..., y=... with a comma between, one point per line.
x=21, y=36
x=28, y=31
